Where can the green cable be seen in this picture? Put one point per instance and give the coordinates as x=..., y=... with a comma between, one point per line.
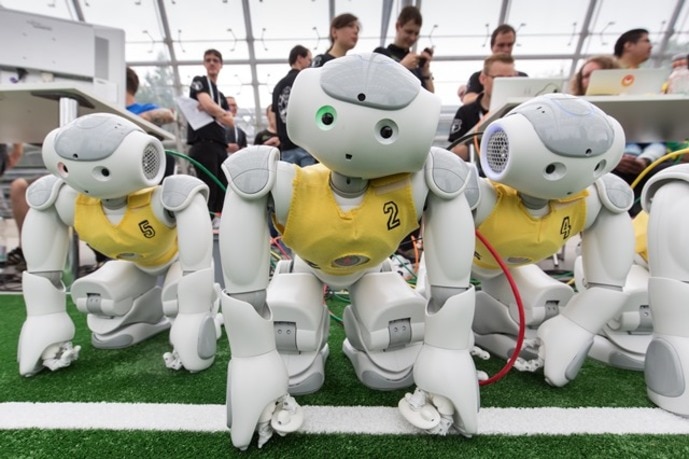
x=200, y=166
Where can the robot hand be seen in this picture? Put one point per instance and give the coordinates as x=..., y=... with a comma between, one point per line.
x=45, y=342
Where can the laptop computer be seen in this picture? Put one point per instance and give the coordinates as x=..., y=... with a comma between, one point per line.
x=614, y=82
x=522, y=87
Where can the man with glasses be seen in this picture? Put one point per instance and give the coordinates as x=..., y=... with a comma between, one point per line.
x=469, y=115
x=502, y=41
x=208, y=145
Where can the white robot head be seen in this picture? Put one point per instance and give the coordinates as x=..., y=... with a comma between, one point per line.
x=551, y=146
x=363, y=116
x=104, y=156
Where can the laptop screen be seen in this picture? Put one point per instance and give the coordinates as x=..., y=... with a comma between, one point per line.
x=522, y=87
x=613, y=82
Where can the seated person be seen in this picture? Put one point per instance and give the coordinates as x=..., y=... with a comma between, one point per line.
x=469, y=115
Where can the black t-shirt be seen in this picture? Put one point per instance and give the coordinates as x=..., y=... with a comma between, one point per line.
x=395, y=52
x=467, y=117
x=211, y=131
x=321, y=59
x=281, y=94
x=474, y=85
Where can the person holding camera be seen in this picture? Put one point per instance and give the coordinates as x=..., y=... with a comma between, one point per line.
x=407, y=29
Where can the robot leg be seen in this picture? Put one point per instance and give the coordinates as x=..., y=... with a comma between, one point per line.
x=447, y=393
x=257, y=380
x=193, y=334
x=45, y=338
x=496, y=319
x=302, y=324
x=122, y=304
x=623, y=341
x=384, y=327
x=667, y=358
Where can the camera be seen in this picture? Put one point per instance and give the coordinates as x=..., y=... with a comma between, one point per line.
x=422, y=60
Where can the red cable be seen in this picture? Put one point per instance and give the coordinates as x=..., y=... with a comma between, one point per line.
x=520, y=308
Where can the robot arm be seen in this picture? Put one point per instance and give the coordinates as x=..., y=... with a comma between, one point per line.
x=194, y=331
x=444, y=371
x=257, y=389
x=607, y=255
x=47, y=331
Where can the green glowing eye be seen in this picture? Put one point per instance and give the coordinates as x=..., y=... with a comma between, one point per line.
x=325, y=117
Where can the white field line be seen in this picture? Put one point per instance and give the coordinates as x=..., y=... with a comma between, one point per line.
x=340, y=419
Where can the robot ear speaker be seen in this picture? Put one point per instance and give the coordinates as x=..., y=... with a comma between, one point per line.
x=497, y=151
x=152, y=161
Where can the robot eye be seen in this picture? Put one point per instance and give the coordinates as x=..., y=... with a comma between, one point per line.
x=386, y=132
x=326, y=117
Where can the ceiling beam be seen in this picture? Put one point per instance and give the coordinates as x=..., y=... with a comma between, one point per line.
x=251, y=43
x=167, y=39
x=669, y=31
x=584, y=33
x=386, y=13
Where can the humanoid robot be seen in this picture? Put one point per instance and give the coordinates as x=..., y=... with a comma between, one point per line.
x=666, y=198
x=105, y=185
x=546, y=164
x=371, y=126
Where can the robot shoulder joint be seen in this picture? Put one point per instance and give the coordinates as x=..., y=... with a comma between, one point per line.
x=178, y=191
x=679, y=172
x=43, y=193
x=251, y=171
x=447, y=176
x=615, y=194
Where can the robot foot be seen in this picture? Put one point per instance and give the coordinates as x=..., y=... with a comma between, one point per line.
x=44, y=342
x=311, y=379
x=447, y=395
x=608, y=352
x=667, y=373
x=376, y=377
x=128, y=335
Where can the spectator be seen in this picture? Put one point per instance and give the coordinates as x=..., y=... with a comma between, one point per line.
x=469, y=115
x=208, y=145
x=580, y=81
x=150, y=112
x=502, y=41
x=268, y=136
x=633, y=48
x=344, y=35
x=299, y=59
x=407, y=29
x=637, y=156
x=235, y=136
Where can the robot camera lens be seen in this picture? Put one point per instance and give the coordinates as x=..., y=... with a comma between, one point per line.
x=386, y=132
x=361, y=96
x=327, y=119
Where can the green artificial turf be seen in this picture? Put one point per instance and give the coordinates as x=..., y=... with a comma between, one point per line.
x=138, y=374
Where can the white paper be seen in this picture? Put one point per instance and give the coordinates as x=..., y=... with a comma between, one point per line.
x=190, y=109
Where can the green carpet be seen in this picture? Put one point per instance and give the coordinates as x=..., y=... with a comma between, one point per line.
x=139, y=375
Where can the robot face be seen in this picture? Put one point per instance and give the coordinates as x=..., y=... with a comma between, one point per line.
x=363, y=116
x=104, y=156
x=552, y=146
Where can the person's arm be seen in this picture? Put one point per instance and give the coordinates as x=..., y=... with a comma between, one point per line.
x=15, y=154
x=221, y=115
x=474, y=88
x=158, y=116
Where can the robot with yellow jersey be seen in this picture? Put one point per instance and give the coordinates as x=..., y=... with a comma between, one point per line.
x=105, y=185
x=371, y=125
x=547, y=165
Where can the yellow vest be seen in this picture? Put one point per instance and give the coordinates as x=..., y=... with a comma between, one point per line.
x=521, y=239
x=640, y=224
x=139, y=237
x=341, y=243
